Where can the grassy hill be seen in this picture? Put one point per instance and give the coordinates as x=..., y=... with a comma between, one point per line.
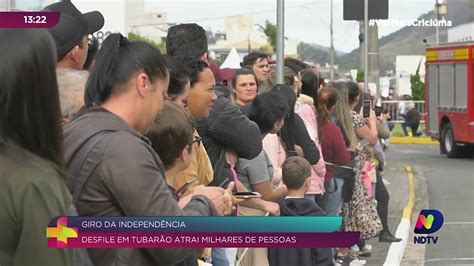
x=406, y=41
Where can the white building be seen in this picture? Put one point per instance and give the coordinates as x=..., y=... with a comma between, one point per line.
x=152, y=25
x=126, y=16
x=406, y=66
x=244, y=36
x=461, y=33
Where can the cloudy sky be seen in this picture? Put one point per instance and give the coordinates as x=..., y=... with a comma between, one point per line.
x=306, y=21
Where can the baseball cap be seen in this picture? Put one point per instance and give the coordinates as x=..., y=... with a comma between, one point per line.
x=72, y=25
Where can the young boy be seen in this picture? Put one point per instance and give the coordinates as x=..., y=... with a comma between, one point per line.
x=296, y=172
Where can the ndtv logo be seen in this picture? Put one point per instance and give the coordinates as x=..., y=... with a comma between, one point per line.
x=428, y=222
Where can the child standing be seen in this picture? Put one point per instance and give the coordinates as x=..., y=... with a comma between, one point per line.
x=296, y=172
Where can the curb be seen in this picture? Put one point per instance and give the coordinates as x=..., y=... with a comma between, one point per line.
x=396, y=250
x=413, y=140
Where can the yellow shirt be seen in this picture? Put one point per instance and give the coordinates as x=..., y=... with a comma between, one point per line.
x=200, y=168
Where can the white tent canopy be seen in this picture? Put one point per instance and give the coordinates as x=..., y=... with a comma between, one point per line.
x=232, y=61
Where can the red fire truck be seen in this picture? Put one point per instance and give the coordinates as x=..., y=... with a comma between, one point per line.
x=449, y=97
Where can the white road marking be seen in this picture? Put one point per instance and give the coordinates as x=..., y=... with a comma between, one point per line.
x=458, y=223
x=450, y=259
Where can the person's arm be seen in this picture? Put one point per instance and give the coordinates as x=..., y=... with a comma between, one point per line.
x=268, y=194
x=382, y=129
x=302, y=139
x=259, y=204
x=234, y=130
x=136, y=182
x=257, y=172
x=266, y=206
x=275, y=151
x=379, y=153
x=368, y=132
x=40, y=202
x=338, y=145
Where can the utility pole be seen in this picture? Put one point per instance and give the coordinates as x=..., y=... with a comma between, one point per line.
x=369, y=54
x=331, y=75
x=440, y=10
x=366, y=41
x=437, y=17
x=373, y=54
x=280, y=41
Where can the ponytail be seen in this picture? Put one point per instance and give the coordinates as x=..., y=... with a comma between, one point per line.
x=117, y=61
x=327, y=98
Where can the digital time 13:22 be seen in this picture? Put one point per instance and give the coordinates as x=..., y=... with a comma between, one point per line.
x=35, y=19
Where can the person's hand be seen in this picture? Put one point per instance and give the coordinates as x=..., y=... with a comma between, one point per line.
x=272, y=208
x=372, y=119
x=222, y=203
x=299, y=151
x=230, y=157
x=228, y=194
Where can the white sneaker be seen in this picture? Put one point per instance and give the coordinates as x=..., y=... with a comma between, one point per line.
x=385, y=181
x=358, y=262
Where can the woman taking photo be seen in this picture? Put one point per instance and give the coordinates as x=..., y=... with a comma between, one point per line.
x=358, y=211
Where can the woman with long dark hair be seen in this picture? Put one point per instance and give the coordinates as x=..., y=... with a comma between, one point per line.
x=32, y=185
x=294, y=134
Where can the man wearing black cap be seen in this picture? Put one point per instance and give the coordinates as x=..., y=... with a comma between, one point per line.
x=71, y=33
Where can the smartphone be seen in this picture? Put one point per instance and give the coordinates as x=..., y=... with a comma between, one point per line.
x=366, y=106
x=378, y=110
x=246, y=195
x=185, y=187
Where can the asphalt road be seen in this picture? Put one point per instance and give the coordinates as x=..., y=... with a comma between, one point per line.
x=450, y=187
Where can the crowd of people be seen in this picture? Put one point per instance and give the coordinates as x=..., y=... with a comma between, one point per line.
x=124, y=130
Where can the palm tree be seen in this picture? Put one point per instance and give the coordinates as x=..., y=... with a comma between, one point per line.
x=270, y=31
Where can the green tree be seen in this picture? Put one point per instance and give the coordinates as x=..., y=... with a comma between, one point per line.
x=270, y=31
x=417, y=86
x=360, y=76
x=137, y=37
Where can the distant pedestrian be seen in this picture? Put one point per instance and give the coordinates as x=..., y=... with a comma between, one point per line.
x=412, y=120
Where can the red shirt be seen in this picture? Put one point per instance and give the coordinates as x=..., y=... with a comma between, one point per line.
x=333, y=148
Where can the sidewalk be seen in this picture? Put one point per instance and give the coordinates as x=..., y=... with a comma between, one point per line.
x=398, y=190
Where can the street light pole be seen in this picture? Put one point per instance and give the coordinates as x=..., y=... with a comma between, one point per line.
x=280, y=45
x=366, y=44
x=437, y=27
x=331, y=73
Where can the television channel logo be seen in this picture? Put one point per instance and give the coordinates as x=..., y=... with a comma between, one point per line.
x=428, y=222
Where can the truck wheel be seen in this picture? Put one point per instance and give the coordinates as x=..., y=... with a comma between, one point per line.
x=449, y=144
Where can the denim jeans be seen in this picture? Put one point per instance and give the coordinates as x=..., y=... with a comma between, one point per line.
x=331, y=202
x=219, y=257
